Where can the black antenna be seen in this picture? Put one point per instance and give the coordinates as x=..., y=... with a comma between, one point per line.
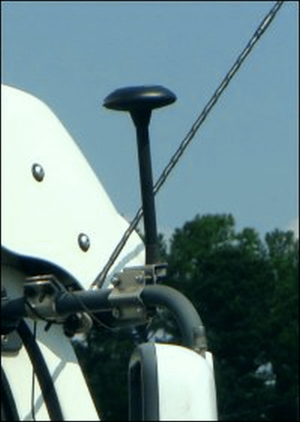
x=139, y=102
x=100, y=279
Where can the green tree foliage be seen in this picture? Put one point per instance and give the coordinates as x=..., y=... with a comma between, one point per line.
x=246, y=292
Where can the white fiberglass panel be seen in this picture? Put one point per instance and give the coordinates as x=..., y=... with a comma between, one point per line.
x=186, y=384
x=43, y=218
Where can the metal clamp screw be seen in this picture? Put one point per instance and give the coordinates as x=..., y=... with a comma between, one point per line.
x=38, y=172
x=84, y=242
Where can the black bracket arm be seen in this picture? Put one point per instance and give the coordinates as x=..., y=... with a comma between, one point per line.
x=131, y=301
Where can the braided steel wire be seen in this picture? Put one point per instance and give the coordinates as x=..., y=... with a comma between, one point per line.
x=190, y=135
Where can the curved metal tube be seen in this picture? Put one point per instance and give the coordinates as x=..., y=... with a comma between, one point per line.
x=191, y=326
x=188, y=319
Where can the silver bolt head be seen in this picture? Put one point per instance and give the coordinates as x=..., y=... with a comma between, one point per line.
x=38, y=172
x=116, y=313
x=84, y=242
x=139, y=279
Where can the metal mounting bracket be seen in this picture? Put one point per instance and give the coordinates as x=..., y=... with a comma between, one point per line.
x=125, y=296
x=40, y=292
x=125, y=300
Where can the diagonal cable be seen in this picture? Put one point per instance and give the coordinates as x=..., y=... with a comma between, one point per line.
x=190, y=135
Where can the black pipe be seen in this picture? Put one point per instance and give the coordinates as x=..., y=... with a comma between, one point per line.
x=9, y=410
x=83, y=301
x=11, y=312
x=188, y=319
x=191, y=326
x=65, y=304
x=42, y=372
x=141, y=121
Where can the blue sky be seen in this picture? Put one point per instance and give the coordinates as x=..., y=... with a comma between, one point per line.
x=244, y=159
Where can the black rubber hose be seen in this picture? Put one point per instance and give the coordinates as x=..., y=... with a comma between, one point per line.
x=191, y=326
x=11, y=312
x=86, y=300
x=188, y=319
x=9, y=410
x=65, y=304
x=42, y=372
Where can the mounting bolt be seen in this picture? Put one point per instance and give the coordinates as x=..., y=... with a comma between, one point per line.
x=84, y=242
x=140, y=310
x=139, y=279
x=115, y=281
x=4, y=338
x=38, y=172
x=116, y=313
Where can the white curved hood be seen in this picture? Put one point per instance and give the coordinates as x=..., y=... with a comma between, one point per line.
x=43, y=219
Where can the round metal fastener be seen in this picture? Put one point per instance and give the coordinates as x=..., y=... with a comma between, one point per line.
x=84, y=242
x=38, y=172
x=116, y=313
x=139, y=279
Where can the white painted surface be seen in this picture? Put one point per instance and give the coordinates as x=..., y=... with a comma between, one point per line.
x=186, y=384
x=43, y=219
